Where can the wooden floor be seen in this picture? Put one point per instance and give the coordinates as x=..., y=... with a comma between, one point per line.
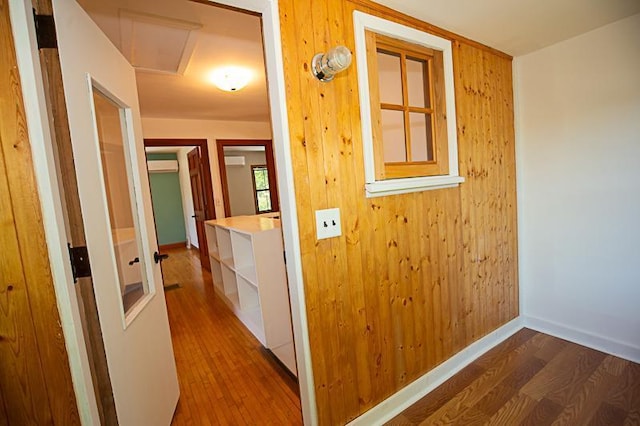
x=534, y=379
x=225, y=375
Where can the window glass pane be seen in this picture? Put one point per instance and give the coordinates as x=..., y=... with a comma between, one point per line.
x=417, y=83
x=389, y=78
x=117, y=177
x=264, y=201
x=421, y=137
x=261, y=178
x=393, y=137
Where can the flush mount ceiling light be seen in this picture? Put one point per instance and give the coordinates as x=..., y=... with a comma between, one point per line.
x=230, y=79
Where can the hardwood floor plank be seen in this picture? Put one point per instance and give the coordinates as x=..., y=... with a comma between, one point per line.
x=495, y=399
x=583, y=405
x=626, y=393
x=492, y=356
x=513, y=411
x=524, y=373
x=534, y=379
x=473, y=393
x=608, y=414
x=563, y=375
x=544, y=413
x=226, y=377
x=439, y=396
x=633, y=418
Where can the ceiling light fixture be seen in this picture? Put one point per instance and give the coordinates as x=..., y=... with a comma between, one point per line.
x=231, y=79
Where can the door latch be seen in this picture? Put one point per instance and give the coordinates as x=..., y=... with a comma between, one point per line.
x=157, y=257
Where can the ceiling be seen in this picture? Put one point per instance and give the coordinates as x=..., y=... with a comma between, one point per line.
x=517, y=27
x=218, y=37
x=194, y=38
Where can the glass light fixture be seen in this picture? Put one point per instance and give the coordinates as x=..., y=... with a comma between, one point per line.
x=230, y=79
x=326, y=65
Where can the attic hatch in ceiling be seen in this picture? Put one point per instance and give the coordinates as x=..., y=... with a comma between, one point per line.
x=157, y=43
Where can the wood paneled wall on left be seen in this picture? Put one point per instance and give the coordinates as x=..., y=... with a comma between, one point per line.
x=35, y=380
x=414, y=278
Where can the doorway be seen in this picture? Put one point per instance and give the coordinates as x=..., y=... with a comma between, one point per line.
x=200, y=187
x=248, y=177
x=269, y=13
x=169, y=116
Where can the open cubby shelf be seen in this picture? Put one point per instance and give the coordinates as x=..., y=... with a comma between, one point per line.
x=248, y=270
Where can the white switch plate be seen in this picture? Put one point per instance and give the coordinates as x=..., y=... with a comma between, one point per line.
x=328, y=223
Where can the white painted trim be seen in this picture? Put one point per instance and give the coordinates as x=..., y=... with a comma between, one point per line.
x=403, y=186
x=404, y=398
x=584, y=338
x=362, y=22
x=51, y=204
x=280, y=125
x=519, y=179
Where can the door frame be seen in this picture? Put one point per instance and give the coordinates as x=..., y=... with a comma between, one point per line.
x=210, y=212
x=40, y=132
x=269, y=159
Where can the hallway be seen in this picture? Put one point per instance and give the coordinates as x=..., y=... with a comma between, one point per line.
x=225, y=375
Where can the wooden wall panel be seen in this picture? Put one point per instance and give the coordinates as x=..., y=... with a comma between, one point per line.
x=414, y=278
x=35, y=380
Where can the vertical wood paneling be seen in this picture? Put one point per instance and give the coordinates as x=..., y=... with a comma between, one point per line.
x=414, y=278
x=35, y=380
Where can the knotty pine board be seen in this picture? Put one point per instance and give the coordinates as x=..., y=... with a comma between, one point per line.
x=414, y=278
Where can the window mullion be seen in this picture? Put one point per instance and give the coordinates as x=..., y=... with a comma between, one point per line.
x=432, y=114
x=405, y=104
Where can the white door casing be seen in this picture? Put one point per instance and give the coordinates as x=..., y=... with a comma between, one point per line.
x=138, y=346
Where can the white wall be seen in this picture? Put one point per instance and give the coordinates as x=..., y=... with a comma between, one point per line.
x=578, y=130
x=242, y=200
x=210, y=130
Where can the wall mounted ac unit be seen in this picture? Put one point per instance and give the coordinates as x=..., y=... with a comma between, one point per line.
x=233, y=160
x=162, y=166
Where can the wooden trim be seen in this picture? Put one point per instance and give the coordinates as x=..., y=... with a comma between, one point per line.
x=374, y=104
x=271, y=169
x=56, y=106
x=35, y=377
x=206, y=166
x=433, y=80
x=164, y=247
x=371, y=7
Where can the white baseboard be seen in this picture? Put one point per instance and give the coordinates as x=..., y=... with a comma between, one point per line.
x=583, y=338
x=404, y=398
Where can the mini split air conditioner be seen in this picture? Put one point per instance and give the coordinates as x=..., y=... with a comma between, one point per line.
x=162, y=166
x=230, y=160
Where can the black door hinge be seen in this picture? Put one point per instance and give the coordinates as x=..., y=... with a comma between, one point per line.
x=45, y=31
x=80, y=266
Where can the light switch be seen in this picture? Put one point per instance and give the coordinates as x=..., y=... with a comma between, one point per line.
x=328, y=223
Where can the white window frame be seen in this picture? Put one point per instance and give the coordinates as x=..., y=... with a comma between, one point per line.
x=377, y=188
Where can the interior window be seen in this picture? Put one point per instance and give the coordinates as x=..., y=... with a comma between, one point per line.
x=407, y=107
x=407, y=100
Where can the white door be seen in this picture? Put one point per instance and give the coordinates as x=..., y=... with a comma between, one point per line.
x=104, y=117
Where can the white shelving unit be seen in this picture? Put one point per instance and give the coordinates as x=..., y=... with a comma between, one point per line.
x=247, y=265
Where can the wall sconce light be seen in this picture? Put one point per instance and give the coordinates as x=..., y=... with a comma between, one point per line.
x=326, y=65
